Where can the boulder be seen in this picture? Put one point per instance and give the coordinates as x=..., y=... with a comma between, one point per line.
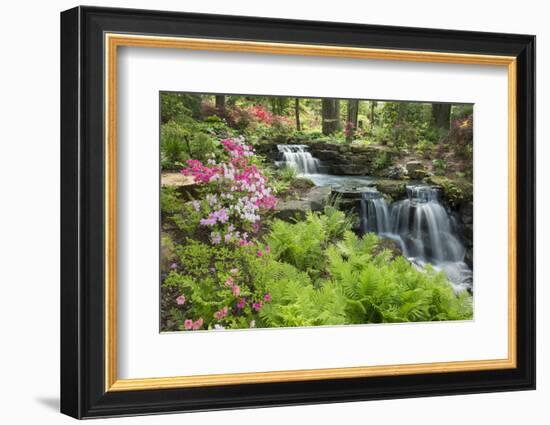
x=466, y=212
x=325, y=155
x=314, y=200
x=397, y=172
x=185, y=185
x=388, y=244
x=351, y=169
x=301, y=183
x=469, y=257
x=396, y=189
x=176, y=179
x=416, y=170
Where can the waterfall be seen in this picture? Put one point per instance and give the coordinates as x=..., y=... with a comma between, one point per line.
x=425, y=226
x=374, y=213
x=422, y=227
x=298, y=157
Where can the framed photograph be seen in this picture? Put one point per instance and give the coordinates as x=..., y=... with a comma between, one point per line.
x=261, y=212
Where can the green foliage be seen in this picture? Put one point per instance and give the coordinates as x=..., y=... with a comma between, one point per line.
x=181, y=142
x=455, y=192
x=425, y=148
x=178, y=106
x=287, y=174
x=169, y=200
x=459, y=112
x=378, y=290
x=358, y=287
x=440, y=166
x=302, y=244
x=381, y=161
x=201, y=277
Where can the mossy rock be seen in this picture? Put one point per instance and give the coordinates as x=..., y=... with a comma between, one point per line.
x=301, y=183
x=390, y=245
x=454, y=192
x=396, y=189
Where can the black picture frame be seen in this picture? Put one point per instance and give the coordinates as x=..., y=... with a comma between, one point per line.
x=82, y=206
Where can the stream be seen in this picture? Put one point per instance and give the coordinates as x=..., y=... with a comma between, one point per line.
x=420, y=224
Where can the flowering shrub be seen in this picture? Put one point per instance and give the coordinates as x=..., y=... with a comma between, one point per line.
x=261, y=114
x=217, y=286
x=235, y=117
x=235, y=193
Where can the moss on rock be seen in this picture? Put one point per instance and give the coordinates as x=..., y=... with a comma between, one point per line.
x=454, y=192
x=396, y=189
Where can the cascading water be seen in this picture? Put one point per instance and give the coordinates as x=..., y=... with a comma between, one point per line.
x=374, y=213
x=299, y=158
x=425, y=226
x=422, y=227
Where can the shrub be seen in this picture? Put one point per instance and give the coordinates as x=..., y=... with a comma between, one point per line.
x=179, y=142
x=235, y=193
x=440, y=166
x=381, y=161
x=216, y=287
x=302, y=244
x=425, y=148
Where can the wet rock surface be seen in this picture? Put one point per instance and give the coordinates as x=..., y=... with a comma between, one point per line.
x=313, y=200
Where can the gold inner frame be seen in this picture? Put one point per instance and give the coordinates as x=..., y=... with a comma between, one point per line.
x=113, y=41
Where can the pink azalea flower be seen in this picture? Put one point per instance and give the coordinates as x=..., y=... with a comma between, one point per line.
x=180, y=300
x=267, y=297
x=260, y=254
x=229, y=281
x=241, y=303
x=267, y=249
x=220, y=314
x=257, y=306
x=188, y=324
x=198, y=324
x=236, y=290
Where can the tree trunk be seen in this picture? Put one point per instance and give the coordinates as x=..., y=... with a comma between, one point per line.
x=441, y=116
x=220, y=103
x=331, y=116
x=372, y=106
x=351, y=124
x=297, y=113
x=401, y=112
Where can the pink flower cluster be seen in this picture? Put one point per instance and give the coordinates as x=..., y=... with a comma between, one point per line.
x=236, y=148
x=258, y=305
x=239, y=191
x=200, y=172
x=220, y=314
x=190, y=325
